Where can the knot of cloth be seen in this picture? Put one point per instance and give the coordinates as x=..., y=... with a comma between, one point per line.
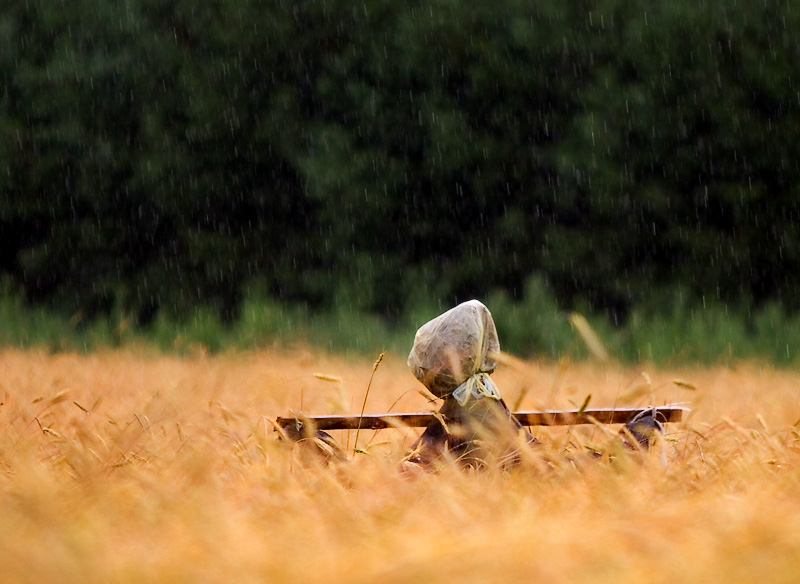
x=478, y=385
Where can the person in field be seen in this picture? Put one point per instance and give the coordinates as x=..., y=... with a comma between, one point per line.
x=453, y=356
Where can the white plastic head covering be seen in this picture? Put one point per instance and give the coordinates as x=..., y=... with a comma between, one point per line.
x=451, y=353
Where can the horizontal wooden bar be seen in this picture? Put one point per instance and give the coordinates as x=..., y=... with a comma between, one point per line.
x=667, y=413
x=670, y=413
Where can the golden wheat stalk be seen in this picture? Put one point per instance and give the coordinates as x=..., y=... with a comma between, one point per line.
x=589, y=336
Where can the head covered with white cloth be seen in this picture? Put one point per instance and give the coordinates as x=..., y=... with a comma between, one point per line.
x=453, y=353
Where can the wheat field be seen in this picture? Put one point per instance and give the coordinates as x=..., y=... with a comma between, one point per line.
x=131, y=466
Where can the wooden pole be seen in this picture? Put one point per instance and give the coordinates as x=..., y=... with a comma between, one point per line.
x=666, y=413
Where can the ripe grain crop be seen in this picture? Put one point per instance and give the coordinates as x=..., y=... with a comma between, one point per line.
x=132, y=467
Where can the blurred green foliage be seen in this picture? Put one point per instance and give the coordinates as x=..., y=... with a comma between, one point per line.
x=532, y=328
x=160, y=158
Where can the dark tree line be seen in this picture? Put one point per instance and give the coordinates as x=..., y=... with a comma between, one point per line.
x=160, y=154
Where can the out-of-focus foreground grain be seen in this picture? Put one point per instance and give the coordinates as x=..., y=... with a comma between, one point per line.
x=128, y=467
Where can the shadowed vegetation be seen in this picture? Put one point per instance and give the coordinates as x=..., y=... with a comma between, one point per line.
x=161, y=157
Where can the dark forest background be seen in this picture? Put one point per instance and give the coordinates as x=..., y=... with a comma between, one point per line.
x=157, y=156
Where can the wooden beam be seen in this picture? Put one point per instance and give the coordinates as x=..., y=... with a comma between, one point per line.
x=667, y=413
